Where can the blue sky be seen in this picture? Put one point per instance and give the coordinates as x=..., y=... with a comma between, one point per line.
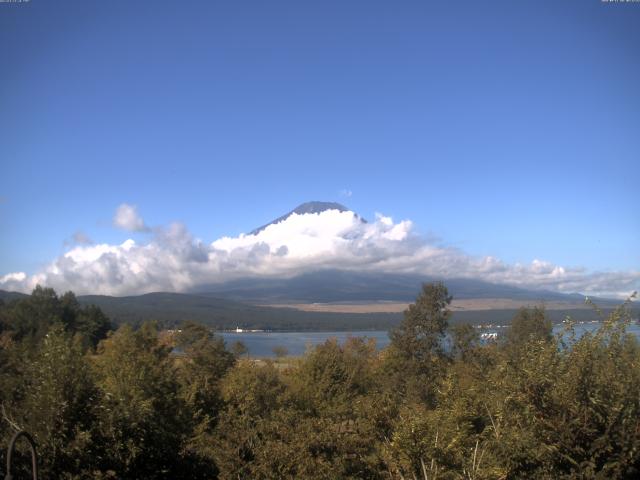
x=509, y=129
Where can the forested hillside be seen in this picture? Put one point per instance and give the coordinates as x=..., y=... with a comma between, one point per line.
x=120, y=404
x=169, y=310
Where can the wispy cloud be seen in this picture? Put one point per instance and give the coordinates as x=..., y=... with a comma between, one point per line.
x=78, y=238
x=173, y=260
x=346, y=193
x=127, y=218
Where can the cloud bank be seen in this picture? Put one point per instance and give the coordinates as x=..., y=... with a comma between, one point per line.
x=173, y=260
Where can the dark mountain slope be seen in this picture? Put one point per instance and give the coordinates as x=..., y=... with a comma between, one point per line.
x=171, y=309
x=342, y=286
x=6, y=296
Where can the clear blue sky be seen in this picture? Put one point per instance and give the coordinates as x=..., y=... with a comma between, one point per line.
x=505, y=128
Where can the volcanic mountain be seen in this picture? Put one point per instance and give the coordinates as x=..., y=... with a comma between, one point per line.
x=320, y=294
x=304, y=208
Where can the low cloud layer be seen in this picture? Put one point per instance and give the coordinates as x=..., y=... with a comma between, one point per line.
x=173, y=260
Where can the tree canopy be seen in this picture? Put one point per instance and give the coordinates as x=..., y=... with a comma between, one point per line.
x=437, y=403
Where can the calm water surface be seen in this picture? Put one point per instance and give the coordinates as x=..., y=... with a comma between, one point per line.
x=261, y=344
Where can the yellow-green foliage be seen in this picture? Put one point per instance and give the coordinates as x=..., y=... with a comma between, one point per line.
x=529, y=406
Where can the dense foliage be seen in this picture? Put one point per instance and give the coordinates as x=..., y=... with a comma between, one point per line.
x=438, y=403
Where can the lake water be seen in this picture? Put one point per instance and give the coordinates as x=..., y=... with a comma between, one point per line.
x=261, y=344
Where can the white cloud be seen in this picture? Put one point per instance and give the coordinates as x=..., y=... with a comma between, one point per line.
x=13, y=281
x=345, y=192
x=172, y=260
x=127, y=218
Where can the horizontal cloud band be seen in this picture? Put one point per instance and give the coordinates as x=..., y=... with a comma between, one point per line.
x=172, y=260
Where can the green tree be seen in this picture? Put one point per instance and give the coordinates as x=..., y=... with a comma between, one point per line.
x=569, y=409
x=331, y=376
x=92, y=324
x=529, y=324
x=251, y=393
x=331, y=394
x=142, y=415
x=308, y=421
x=416, y=357
x=30, y=318
x=57, y=402
x=200, y=371
x=464, y=341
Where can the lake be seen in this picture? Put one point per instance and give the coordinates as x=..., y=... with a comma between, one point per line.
x=261, y=344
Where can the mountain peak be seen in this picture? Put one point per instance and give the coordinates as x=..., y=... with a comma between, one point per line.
x=304, y=208
x=318, y=207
